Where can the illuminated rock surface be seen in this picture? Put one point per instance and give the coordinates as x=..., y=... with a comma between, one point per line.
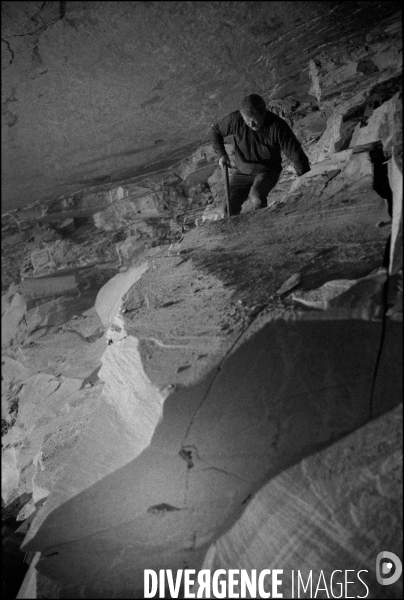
x=215, y=384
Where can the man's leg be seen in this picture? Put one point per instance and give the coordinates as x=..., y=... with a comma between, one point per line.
x=263, y=184
x=240, y=185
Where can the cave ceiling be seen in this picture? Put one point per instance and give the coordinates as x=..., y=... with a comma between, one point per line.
x=97, y=92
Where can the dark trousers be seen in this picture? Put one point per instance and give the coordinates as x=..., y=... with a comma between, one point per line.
x=255, y=186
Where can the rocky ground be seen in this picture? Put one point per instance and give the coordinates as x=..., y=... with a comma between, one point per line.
x=203, y=368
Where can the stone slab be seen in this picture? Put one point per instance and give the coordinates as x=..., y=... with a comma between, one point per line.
x=109, y=298
x=332, y=511
x=44, y=287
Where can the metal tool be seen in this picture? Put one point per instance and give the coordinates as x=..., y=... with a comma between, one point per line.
x=226, y=171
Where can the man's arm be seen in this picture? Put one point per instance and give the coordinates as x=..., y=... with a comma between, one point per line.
x=292, y=149
x=218, y=132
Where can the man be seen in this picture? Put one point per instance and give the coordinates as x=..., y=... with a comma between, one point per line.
x=259, y=136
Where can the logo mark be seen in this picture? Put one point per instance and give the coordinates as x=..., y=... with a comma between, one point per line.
x=389, y=571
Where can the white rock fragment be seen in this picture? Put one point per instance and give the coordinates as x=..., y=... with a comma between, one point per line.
x=320, y=297
x=109, y=298
x=211, y=213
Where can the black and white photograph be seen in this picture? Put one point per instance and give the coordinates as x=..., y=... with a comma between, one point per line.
x=202, y=292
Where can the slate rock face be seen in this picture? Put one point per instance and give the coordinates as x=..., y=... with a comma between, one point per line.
x=89, y=102
x=176, y=382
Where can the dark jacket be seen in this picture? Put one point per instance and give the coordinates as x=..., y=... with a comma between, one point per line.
x=259, y=151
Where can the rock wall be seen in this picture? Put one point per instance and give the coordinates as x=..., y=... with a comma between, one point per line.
x=183, y=391
x=100, y=93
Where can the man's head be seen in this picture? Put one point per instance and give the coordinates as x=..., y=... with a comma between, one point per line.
x=253, y=110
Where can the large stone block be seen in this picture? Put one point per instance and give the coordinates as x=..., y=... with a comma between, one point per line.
x=52, y=413
x=380, y=126
x=67, y=353
x=346, y=499
x=44, y=287
x=54, y=256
